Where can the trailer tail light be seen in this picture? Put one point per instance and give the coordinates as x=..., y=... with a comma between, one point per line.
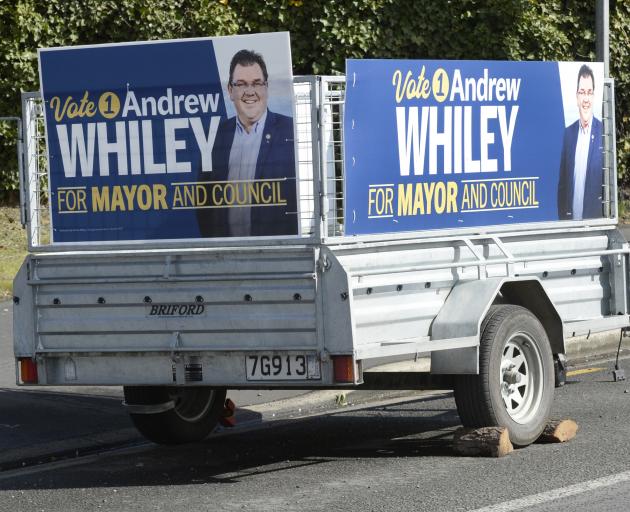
x=28, y=370
x=343, y=368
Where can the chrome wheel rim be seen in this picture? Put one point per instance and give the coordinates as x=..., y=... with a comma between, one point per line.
x=521, y=378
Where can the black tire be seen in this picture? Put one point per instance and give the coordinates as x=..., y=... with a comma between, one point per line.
x=515, y=385
x=195, y=415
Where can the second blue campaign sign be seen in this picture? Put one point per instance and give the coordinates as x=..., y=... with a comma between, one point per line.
x=455, y=144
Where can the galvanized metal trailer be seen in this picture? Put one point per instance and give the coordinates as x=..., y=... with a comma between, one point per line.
x=179, y=323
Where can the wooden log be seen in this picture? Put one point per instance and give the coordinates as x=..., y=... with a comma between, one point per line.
x=558, y=431
x=486, y=441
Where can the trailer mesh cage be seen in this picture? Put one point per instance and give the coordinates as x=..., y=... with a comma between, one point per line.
x=319, y=109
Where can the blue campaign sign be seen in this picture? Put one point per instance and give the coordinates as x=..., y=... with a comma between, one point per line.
x=455, y=144
x=177, y=139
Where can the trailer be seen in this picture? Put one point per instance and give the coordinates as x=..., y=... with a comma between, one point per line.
x=178, y=323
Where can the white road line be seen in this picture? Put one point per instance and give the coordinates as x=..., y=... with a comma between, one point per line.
x=556, y=494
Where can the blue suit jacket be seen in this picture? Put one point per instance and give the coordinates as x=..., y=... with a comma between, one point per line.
x=276, y=159
x=594, y=173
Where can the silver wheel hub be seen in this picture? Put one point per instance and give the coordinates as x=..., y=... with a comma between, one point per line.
x=192, y=404
x=521, y=378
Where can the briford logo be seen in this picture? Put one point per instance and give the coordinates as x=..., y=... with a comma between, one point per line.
x=176, y=309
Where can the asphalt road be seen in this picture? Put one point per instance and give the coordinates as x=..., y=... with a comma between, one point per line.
x=393, y=456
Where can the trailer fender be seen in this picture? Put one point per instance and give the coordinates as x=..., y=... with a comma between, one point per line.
x=24, y=334
x=465, y=308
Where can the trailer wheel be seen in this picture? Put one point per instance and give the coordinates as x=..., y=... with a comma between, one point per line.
x=190, y=413
x=515, y=385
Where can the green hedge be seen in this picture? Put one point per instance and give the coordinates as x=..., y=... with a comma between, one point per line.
x=323, y=35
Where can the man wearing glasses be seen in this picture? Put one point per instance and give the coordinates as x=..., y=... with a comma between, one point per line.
x=581, y=163
x=253, y=155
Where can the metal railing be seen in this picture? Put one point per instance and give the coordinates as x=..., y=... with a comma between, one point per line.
x=305, y=91
x=35, y=164
x=609, y=143
x=332, y=92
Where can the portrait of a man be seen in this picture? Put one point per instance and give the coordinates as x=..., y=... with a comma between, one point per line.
x=581, y=163
x=253, y=152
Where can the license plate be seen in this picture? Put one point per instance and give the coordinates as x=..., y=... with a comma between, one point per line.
x=282, y=366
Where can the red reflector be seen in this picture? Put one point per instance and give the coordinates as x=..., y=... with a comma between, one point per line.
x=343, y=368
x=28, y=370
x=227, y=418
